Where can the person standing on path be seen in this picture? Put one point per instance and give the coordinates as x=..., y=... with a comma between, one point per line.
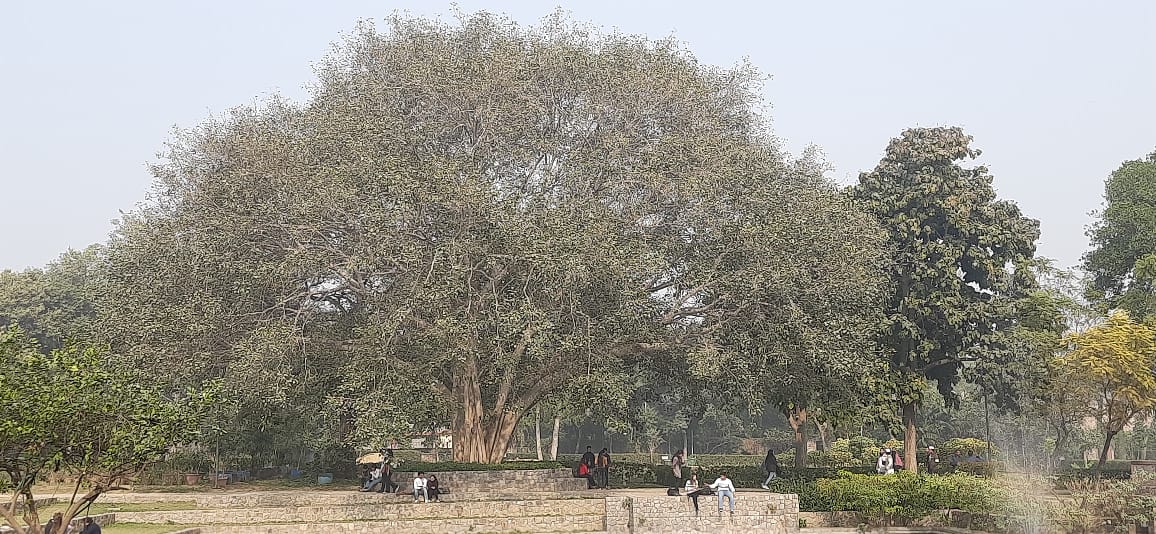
x=884, y=465
x=602, y=469
x=53, y=526
x=725, y=488
x=588, y=458
x=676, y=464
x=771, y=466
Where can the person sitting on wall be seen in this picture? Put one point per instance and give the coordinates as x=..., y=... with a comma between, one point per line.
x=375, y=478
x=420, y=487
x=90, y=527
x=433, y=488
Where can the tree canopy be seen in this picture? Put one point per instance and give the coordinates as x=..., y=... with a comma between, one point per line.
x=489, y=211
x=959, y=261
x=1114, y=361
x=75, y=409
x=1122, y=261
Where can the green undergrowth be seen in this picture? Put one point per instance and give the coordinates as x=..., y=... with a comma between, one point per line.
x=112, y=507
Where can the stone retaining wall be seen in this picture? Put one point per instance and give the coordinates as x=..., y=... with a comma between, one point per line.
x=77, y=522
x=372, y=512
x=754, y=512
x=450, y=526
x=529, y=480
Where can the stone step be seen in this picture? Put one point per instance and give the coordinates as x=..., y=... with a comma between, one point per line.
x=503, y=496
x=479, y=481
x=371, y=512
x=274, y=499
x=539, y=524
x=640, y=512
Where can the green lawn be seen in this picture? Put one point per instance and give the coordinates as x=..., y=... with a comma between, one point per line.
x=138, y=528
x=103, y=508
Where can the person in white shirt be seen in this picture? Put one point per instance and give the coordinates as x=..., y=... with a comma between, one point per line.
x=692, y=491
x=419, y=488
x=727, y=488
x=886, y=463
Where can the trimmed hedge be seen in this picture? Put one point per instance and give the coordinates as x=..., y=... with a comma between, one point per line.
x=439, y=467
x=632, y=475
x=698, y=459
x=906, y=496
x=1076, y=474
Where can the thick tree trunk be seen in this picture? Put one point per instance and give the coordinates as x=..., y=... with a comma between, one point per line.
x=479, y=437
x=797, y=417
x=554, y=438
x=1104, y=451
x=538, y=431
x=910, y=445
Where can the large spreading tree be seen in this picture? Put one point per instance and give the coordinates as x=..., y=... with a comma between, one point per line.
x=960, y=260
x=467, y=218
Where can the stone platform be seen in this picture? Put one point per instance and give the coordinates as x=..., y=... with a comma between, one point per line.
x=654, y=512
x=546, y=501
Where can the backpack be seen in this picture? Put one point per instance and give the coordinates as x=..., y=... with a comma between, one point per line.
x=672, y=492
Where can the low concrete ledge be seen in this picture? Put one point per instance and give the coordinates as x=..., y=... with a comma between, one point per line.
x=755, y=512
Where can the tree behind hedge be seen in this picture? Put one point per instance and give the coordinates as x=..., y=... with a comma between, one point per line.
x=1122, y=261
x=960, y=259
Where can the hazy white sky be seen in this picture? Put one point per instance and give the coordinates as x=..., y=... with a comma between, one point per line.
x=1057, y=93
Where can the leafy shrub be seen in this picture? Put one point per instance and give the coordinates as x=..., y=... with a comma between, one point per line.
x=964, y=447
x=907, y=497
x=859, y=450
x=1094, y=504
x=979, y=469
x=1068, y=476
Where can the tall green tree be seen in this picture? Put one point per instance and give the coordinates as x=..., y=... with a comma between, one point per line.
x=56, y=302
x=1122, y=261
x=959, y=254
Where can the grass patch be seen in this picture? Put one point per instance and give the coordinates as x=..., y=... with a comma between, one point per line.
x=113, y=507
x=140, y=528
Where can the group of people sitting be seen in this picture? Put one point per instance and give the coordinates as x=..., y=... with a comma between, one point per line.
x=379, y=475
x=723, y=484
x=424, y=488
x=54, y=526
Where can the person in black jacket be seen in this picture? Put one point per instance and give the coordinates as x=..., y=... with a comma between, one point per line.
x=90, y=527
x=771, y=466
